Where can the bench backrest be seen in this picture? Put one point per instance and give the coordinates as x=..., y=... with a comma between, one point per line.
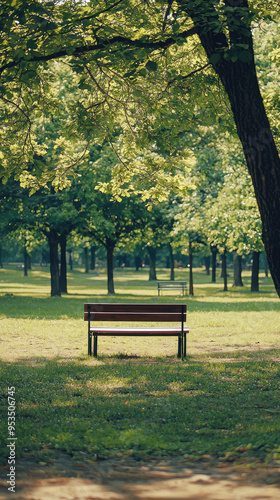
x=171, y=283
x=135, y=312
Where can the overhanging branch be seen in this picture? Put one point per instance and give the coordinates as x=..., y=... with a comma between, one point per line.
x=103, y=44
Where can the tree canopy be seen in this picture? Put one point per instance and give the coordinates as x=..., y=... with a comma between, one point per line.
x=147, y=65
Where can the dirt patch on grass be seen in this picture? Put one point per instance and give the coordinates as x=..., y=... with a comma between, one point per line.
x=127, y=479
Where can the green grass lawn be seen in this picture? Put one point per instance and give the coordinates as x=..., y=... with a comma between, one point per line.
x=137, y=398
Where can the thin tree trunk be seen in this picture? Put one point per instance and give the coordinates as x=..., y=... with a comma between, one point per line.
x=237, y=270
x=224, y=269
x=28, y=261
x=138, y=262
x=63, y=265
x=53, y=240
x=265, y=265
x=86, y=260
x=25, y=261
x=191, y=289
x=255, y=272
x=1, y=260
x=172, y=272
x=110, y=268
x=92, y=257
x=207, y=264
x=214, y=251
x=152, y=262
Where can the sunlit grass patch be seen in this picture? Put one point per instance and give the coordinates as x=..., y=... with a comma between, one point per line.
x=137, y=398
x=146, y=409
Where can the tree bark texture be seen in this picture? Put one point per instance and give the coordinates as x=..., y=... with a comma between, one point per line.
x=110, y=268
x=237, y=270
x=240, y=82
x=63, y=265
x=152, y=261
x=255, y=272
x=53, y=240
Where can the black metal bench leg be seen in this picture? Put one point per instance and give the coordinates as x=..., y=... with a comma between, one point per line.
x=95, y=346
x=179, y=346
x=89, y=345
x=185, y=345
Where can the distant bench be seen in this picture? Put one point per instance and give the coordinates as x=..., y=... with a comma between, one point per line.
x=172, y=285
x=153, y=313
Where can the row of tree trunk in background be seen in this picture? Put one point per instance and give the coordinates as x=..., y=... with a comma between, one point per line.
x=237, y=269
x=58, y=265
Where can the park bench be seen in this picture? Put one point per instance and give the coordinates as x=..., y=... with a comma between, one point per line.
x=169, y=313
x=172, y=285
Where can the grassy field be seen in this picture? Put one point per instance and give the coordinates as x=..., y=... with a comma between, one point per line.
x=137, y=399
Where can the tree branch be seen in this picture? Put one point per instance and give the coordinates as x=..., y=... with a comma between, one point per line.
x=117, y=40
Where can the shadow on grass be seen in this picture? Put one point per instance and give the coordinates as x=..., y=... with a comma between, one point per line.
x=72, y=307
x=145, y=406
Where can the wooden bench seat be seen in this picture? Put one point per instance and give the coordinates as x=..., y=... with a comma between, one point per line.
x=153, y=313
x=172, y=285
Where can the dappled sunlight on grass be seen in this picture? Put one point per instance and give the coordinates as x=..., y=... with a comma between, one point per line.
x=137, y=397
x=148, y=406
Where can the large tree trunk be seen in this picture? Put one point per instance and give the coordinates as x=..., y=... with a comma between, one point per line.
x=110, y=268
x=152, y=261
x=239, y=78
x=255, y=272
x=263, y=163
x=53, y=240
x=63, y=265
x=237, y=270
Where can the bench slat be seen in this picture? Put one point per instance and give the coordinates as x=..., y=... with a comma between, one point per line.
x=131, y=316
x=160, y=283
x=115, y=307
x=138, y=331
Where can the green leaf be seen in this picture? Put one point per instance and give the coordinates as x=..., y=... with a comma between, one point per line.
x=142, y=72
x=31, y=44
x=151, y=66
